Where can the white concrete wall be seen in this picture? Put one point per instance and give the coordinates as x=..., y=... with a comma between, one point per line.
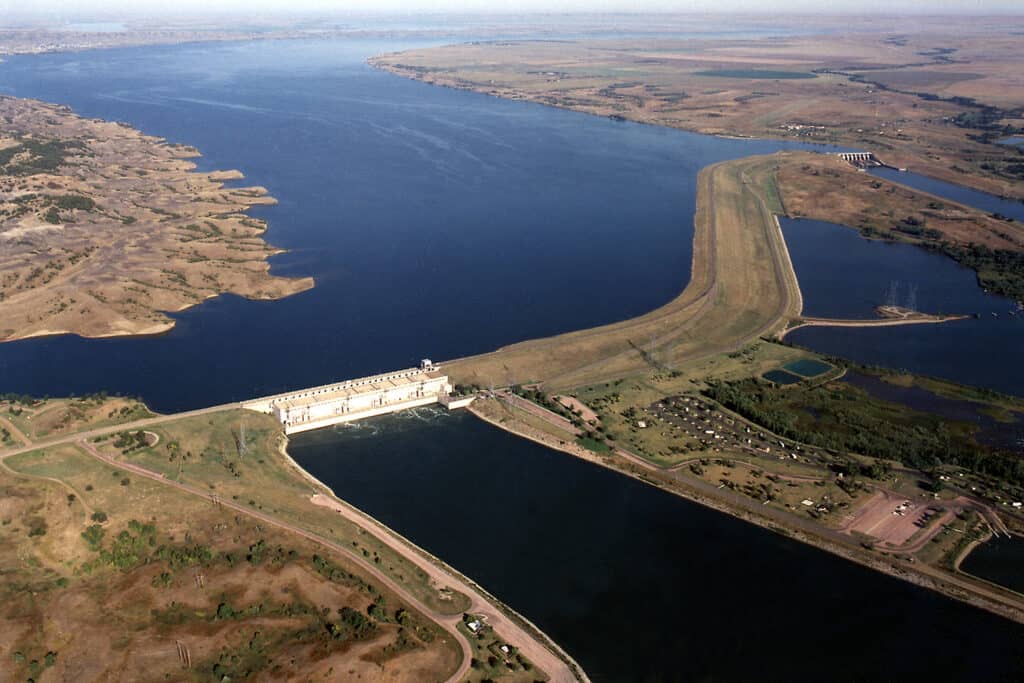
x=362, y=414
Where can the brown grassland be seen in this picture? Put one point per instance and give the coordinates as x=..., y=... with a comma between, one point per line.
x=103, y=228
x=828, y=189
x=127, y=578
x=193, y=547
x=926, y=98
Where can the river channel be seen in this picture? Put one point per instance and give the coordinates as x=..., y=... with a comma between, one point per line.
x=638, y=584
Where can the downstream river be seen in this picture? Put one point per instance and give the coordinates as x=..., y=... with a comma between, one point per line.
x=442, y=223
x=638, y=584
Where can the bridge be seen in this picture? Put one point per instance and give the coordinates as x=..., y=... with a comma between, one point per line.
x=355, y=399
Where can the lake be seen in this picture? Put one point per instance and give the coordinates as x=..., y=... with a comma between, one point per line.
x=843, y=275
x=640, y=585
x=437, y=223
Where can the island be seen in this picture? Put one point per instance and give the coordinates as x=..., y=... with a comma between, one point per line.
x=104, y=229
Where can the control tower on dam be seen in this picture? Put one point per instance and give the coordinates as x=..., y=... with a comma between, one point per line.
x=355, y=399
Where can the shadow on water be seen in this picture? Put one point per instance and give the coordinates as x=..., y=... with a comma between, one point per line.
x=999, y=560
x=639, y=585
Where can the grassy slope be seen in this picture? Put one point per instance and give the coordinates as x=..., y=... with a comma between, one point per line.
x=204, y=451
x=741, y=287
x=61, y=597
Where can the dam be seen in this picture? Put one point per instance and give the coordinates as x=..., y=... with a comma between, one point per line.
x=355, y=399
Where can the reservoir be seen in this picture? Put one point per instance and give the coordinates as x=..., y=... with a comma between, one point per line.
x=445, y=223
x=442, y=223
x=843, y=275
x=637, y=584
x=436, y=222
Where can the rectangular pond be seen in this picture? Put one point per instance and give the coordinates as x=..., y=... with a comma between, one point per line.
x=808, y=367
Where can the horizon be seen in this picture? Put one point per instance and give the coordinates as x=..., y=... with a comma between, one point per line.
x=77, y=10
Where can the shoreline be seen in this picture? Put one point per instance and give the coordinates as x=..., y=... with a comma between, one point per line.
x=870, y=322
x=188, y=234
x=156, y=329
x=913, y=573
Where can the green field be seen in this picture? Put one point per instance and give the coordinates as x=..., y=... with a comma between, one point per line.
x=844, y=418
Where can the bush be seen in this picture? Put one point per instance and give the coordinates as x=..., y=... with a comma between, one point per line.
x=93, y=537
x=74, y=201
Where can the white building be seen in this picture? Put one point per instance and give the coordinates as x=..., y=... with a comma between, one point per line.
x=360, y=398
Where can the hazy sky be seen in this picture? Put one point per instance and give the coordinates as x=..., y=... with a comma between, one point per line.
x=108, y=7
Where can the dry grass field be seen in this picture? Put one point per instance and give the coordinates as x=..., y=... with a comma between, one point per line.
x=826, y=188
x=33, y=419
x=237, y=455
x=114, y=576
x=194, y=548
x=102, y=228
x=921, y=96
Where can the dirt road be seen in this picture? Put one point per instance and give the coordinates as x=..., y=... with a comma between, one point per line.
x=515, y=631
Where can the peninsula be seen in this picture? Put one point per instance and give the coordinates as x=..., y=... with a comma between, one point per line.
x=694, y=397
x=104, y=229
x=929, y=100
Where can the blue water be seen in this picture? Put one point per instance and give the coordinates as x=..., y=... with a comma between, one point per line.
x=807, y=367
x=1012, y=140
x=981, y=200
x=637, y=584
x=436, y=222
x=843, y=275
